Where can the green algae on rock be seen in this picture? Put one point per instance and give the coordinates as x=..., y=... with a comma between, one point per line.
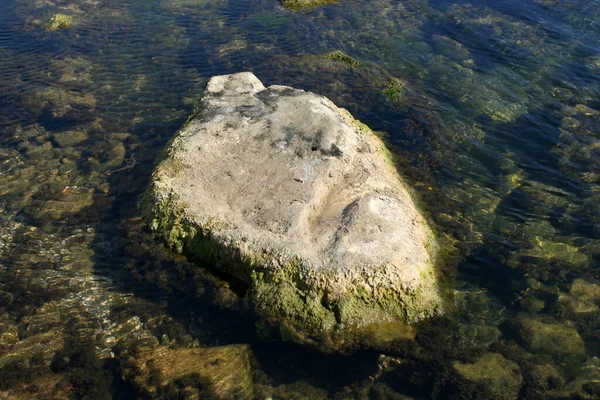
x=327, y=246
x=304, y=4
x=395, y=90
x=342, y=57
x=59, y=21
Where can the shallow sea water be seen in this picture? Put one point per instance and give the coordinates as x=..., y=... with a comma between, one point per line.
x=491, y=108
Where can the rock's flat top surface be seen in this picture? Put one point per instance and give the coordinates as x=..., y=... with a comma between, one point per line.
x=303, y=196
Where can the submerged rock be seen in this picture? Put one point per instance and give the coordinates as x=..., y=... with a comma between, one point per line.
x=573, y=306
x=586, y=386
x=300, y=390
x=9, y=333
x=69, y=138
x=43, y=346
x=554, y=339
x=492, y=375
x=192, y=373
x=288, y=193
x=583, y=298
x=585, y=291
x=479, y=334
x=61, y=102
x=545, y=377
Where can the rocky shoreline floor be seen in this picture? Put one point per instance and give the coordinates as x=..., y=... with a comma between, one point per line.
x=491, y=116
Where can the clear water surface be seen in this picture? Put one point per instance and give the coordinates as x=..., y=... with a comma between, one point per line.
x=492, y=109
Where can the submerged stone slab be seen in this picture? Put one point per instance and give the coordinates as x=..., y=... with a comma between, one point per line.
x=219, y=373
x=491, y=377
x=555, y=339
x=288, y=193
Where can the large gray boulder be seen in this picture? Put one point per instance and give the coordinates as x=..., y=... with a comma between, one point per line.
x=288, y=193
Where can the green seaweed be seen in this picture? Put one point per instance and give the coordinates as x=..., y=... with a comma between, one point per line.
x=342, y=57
x=395, y=90
x=59, y=21
x=304, y=4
